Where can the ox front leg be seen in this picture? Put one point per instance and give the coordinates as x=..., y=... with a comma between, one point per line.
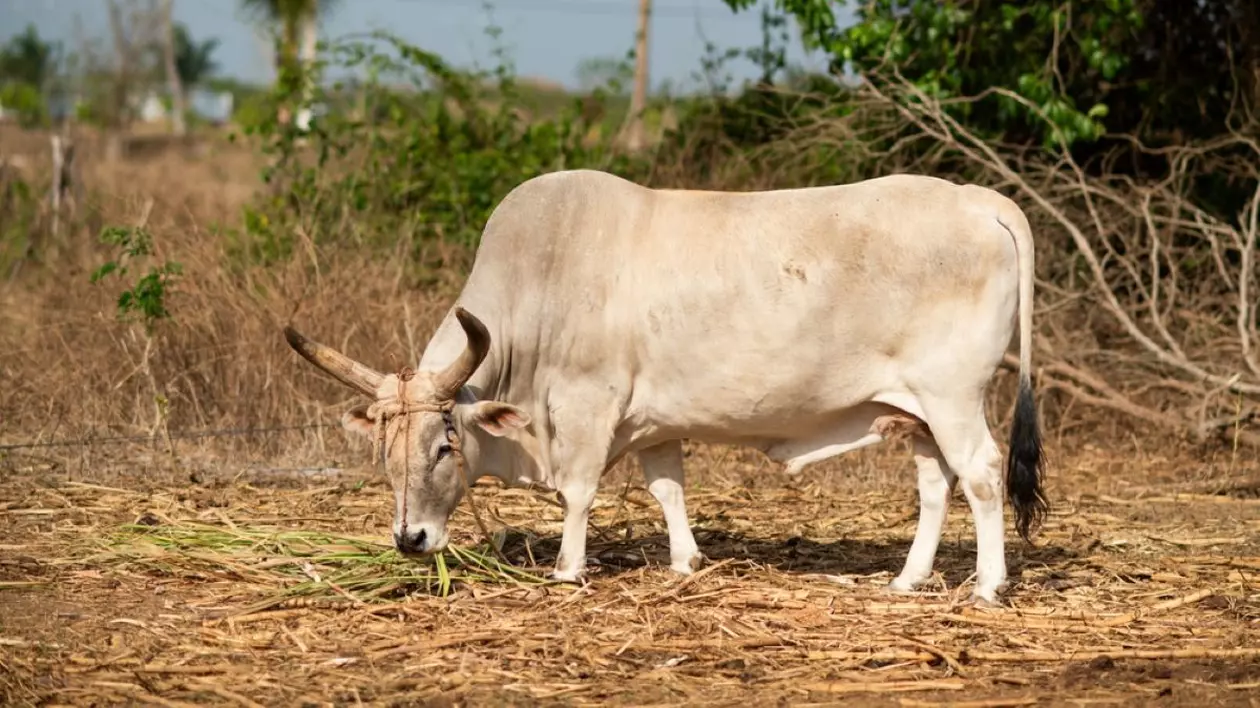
x=663, y=474
x=936, y=485
x=584, y=428
x=578, y=494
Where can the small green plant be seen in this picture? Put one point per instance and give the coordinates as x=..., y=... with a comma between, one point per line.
x=144, y=303
x=145, y=300
x=19, y=220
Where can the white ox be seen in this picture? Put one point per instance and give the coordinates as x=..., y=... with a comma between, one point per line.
x=611, y=318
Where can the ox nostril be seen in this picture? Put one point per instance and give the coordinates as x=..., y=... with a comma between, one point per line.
x=411, y=542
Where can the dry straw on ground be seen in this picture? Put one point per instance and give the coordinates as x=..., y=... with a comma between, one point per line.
x=142, y=590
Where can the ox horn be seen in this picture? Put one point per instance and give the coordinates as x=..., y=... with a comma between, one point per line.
x=361, y=378
x=449, y=381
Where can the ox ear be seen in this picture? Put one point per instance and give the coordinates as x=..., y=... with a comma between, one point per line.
x=496, y=417
x=356, y=420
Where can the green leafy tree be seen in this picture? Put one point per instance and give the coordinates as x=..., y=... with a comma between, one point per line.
x=28, y=65
x=1163, y=69
x=194, y=61
x=949, y=49
x=296, y=22
x=28, y=59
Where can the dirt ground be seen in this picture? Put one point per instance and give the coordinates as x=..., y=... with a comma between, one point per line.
x=1141, y=590
x=129, y=579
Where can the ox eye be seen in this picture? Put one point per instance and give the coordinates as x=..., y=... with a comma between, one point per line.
x=443, y=450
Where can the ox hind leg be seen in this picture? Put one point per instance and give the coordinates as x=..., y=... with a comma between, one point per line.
x=967, y=448
x=873, y=423
x=663, y=474
x=936, y=486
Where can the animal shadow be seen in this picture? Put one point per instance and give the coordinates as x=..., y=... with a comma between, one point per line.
x=610, y=556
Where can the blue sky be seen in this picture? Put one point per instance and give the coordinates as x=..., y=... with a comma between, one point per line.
x=545, y=38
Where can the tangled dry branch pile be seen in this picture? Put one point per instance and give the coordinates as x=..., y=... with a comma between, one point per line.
x=1147, y=300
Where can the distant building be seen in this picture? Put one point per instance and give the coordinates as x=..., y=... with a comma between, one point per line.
x=152, y=109
x=215, y=107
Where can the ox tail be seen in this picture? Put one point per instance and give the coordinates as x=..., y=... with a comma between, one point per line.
x=1025, y=463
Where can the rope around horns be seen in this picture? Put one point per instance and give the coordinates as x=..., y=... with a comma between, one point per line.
x=381, y=411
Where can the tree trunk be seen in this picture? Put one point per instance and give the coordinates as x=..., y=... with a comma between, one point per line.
x=638, y=99
x=306, y=58
x=173, y=83
x=122, y=69
x=60, y=190
x=286, y=63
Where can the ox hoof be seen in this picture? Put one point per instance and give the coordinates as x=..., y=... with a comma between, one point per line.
x=989, y=595
x=902, y=586
x=688, y=565
x=574, y=575
x=987, y=600
x=567, y=577
x=985, y=603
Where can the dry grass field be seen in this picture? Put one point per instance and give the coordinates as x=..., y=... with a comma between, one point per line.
x=256, y=569
x=128, y=587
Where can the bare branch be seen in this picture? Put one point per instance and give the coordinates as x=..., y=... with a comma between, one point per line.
x=1246, y=320
x=926, y=114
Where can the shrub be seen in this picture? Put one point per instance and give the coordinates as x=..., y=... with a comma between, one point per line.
x=26, y=102
x=413, y=160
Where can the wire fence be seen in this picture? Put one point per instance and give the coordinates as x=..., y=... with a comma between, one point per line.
x=189, y=435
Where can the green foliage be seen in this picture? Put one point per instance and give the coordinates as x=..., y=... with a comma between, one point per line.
x=27, y=59
x=27, y=66
x=746, y=132
x=1041, y=51
x=25, y=101
x=89, y=113
x=19, y=217
x=145, y=300
x=1164, y=70
x=251, y=106
x=416, y=154
x=611, y=74
x=194, y=61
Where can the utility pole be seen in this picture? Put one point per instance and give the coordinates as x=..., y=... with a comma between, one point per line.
x=307, y=41
x=638, y=99
x=173, y=84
